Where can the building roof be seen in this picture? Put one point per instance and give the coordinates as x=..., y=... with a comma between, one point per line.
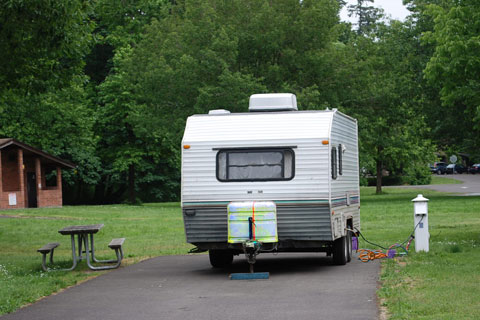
x=50, y=158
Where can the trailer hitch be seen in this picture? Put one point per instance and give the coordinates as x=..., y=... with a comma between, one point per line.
x=251, y=248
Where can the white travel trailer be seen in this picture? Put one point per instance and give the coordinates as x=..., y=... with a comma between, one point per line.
x=306, y=162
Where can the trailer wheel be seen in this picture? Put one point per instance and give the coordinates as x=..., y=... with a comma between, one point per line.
x=220, y=258
x=340, y=251
x=349, y=246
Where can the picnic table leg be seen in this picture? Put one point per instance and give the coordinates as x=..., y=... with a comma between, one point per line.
x=74, y=254
x=51, y=256
x=80, y=236
x=102, y=267
x=93, y=253
x=74, y=257
x=44, y=263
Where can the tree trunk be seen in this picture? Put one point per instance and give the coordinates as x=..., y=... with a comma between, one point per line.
x=79, y=192
x=379, y=177
x=131, y=183
x=99, y=194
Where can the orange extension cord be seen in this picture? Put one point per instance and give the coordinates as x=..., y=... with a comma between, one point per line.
x=366, y=255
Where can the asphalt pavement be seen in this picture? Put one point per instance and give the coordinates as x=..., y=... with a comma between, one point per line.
x=469, y=187
x=301, y=286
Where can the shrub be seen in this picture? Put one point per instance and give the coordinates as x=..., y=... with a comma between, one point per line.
x=417, y=175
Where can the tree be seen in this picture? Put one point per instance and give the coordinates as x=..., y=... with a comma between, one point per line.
x=42, y=43
x=368, y=15
x=119, y=24
x=205, y=55
x=455, y=68
x=393, y=135
x=120, y=149
x=59, y=122
x=123, y=154
x=42, y=88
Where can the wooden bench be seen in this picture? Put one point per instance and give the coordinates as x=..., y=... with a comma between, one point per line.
x=48, y=248
x=116, y=244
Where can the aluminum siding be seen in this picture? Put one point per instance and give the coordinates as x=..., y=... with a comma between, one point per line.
x=299, y=222
x=207, y=134
x=344, y=131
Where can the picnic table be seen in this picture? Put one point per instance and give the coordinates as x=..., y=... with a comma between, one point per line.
x=85, y=238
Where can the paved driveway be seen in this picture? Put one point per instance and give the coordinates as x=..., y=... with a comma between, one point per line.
x=469, y=187
x=301, y=286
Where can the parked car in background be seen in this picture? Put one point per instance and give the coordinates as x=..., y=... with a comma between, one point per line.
x=438, y=167
x=474, y=169
x=455, y=168
x=442, y=169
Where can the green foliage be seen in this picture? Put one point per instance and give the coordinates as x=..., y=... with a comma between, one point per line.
x=418, y=174
x=109, y=84
x=455, y=68
x=58, y=122
x=42, y=95
x=203, y=57
x=368, y=16
x=385, y=100
x=42, y=42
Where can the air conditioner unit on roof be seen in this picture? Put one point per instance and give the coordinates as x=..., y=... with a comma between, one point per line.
x=273, y=102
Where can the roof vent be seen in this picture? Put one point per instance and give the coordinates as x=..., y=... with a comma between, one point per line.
x=218, y=111
x=273, y=102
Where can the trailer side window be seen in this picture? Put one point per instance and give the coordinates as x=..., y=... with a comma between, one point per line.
x=255, y=165
x=340, y=159
x=334, y=162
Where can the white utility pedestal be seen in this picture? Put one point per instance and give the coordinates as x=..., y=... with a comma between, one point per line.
x=420, y=217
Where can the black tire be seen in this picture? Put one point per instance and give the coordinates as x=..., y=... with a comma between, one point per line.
x=340, y=251
x=349, y=246
x=220, y=258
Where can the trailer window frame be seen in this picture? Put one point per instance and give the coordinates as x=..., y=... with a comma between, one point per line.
x=224, y=177
x=340, y=159
x=333, y=156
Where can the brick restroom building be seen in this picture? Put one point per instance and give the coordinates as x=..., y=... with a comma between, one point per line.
x=29, y=177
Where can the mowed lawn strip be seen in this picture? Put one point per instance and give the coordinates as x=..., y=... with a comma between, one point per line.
x=150, y=230
x=444, y=180
x=441, y=284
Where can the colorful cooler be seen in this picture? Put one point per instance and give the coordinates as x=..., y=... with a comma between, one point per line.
x=264, y=218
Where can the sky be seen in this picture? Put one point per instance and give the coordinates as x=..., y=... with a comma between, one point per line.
x=395, y=8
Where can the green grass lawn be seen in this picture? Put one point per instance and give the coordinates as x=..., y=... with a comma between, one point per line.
x=441, y=284
x=151, y=230
x=444, y=180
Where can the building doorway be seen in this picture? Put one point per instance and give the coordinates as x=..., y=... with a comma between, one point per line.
x=32, y=189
